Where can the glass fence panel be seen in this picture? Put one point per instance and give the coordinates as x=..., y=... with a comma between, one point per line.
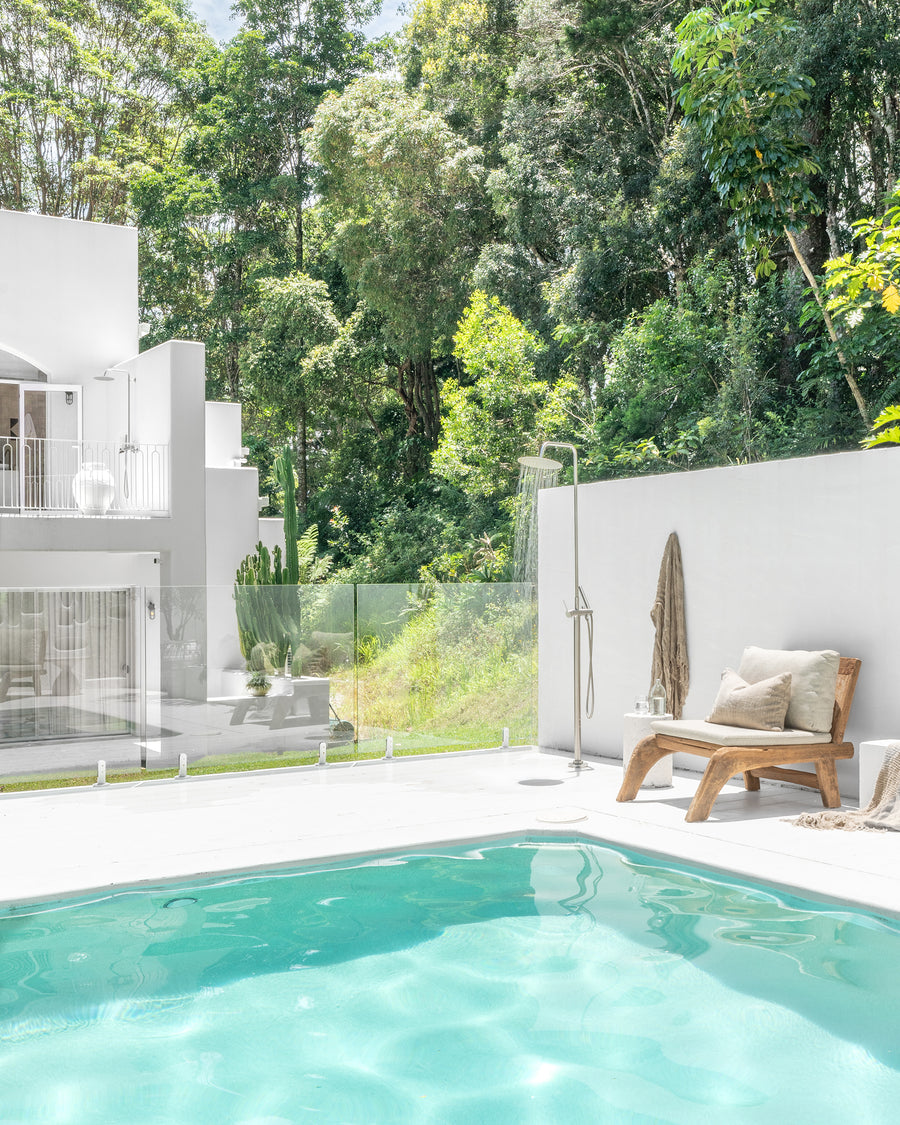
x=445, y=668
x=254, y=676
x=486, y=671
x=242, y=677
x=71, y=686
x=395, y=639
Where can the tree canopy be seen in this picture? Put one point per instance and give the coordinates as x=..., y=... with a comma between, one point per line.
x=666, y=232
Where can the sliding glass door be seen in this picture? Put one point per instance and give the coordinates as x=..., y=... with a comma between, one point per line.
x=40, y=425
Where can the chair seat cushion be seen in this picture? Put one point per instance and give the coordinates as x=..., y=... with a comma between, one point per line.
x=720, y=735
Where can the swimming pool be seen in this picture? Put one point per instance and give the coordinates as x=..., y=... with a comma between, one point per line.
x=518, y=981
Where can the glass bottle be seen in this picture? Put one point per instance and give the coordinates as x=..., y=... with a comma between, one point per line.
x=658, y=698
x=288, y=663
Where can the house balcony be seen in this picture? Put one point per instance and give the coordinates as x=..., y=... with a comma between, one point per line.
x=61, y=477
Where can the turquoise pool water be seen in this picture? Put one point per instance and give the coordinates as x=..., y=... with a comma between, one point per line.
x=515, y=983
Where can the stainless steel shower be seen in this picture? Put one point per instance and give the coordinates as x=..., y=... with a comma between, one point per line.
x=581, y=610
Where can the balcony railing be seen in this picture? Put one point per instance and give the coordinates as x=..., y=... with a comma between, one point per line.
x=83, y=478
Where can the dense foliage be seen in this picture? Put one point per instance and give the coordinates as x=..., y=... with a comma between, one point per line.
x=661, y=230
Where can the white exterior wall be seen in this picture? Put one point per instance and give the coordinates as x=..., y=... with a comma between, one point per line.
x=271, y=533
x=168, y=407
x=223, y=434
x=231, y=534
x=787, y=554
x=68, y=294
x=77, y=569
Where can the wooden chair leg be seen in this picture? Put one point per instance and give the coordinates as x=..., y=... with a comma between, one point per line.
x=722, y=766
x=826, y=775
x=751, y=782
x=643, y=758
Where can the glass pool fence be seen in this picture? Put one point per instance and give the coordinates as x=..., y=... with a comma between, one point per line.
x=213, y=679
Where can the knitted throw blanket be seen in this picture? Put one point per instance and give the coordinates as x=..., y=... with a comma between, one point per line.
x=881, y=814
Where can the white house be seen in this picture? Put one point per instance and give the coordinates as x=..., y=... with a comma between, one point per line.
x=115, y=474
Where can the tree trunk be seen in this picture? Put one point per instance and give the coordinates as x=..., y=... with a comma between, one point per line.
x=418, y=388
x=846, y=365
x=232, y=332
x=302, y=477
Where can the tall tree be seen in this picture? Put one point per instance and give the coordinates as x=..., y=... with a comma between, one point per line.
x=210, y=217
x=851, y=51
x=87, y=89
x=404, y=194
x=313, y=47
x=293, y=315
x=491, y=418
x=460, y=53
x=742, y=90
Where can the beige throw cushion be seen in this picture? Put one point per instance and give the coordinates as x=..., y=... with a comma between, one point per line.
x=760, y=706
x=813, y=682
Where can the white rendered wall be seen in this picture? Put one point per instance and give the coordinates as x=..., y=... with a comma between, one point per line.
x=232, y=530
x=148, y=380
x=77, y=570
x=223, y=435
x=786, y=554
x=271, y=533
x=68, y=293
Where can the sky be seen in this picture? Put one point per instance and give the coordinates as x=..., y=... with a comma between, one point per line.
x=216, y=14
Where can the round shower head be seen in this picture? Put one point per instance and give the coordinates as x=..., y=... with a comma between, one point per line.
x=545, y=464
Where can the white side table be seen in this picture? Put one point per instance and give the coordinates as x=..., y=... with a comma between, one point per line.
x=870, y=758
x=635, y=728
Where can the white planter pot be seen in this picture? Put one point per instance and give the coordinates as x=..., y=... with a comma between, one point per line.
x=93, y=488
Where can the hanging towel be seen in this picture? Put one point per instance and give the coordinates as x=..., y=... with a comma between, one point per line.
x=670, y=655
x=881, y=814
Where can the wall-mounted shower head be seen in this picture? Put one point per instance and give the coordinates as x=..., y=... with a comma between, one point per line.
x=545, y=464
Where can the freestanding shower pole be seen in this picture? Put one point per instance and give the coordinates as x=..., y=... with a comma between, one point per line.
x=580, y=610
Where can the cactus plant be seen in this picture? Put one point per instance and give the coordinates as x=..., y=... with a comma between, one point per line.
x=268, y=611
x=267, y=593
x=284, y=471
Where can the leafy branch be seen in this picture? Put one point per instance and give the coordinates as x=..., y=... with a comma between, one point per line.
x=747, y=101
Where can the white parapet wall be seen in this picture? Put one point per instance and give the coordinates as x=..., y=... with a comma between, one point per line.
x=68, y=293
x=785, y=554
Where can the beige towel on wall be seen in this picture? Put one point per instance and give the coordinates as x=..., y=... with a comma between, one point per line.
x=670, y=655
x=881, y=814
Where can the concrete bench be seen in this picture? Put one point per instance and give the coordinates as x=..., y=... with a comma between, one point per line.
x=313, y=693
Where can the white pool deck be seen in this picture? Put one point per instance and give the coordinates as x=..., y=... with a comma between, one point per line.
x=64, y=842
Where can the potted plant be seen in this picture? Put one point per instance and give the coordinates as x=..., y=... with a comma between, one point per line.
x=258, y=683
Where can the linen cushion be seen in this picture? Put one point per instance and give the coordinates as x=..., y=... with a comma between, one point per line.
x=760, y=706
x=813, y=682
x=717, y=735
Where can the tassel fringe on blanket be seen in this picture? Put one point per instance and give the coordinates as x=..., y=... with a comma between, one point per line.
x=881, y=814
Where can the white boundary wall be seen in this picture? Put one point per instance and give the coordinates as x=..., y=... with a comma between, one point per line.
x=786, y=554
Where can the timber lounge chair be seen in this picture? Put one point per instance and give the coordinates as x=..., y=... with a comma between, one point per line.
x=733, y=749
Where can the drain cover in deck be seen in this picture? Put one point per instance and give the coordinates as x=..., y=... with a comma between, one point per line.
x=561, y=815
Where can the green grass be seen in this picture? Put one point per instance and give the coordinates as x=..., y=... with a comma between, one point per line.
x=224, y=764
x=455, y=672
